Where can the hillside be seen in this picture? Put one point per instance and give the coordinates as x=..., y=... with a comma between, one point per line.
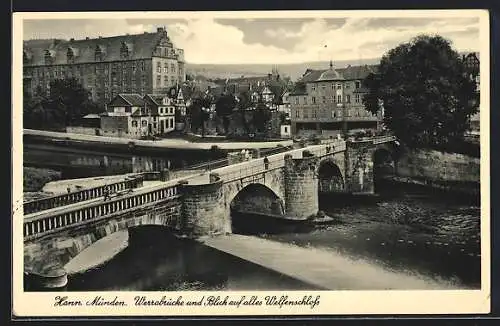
x=294, y=71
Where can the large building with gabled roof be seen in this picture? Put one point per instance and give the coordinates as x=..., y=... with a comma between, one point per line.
x=330, y=101
x=147, y=63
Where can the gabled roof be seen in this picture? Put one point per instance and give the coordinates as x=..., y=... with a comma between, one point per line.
x=140, y=46
x=133, y=99
x=357, y=72
x=154, y=99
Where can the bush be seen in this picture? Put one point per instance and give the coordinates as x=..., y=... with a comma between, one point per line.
x=34, y=178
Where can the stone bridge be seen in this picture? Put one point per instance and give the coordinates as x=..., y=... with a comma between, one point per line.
x=201, y=204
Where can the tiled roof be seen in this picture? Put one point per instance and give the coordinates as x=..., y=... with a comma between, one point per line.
x=156, y=99
x=133, y=99
x=140, y=46
x=357, y=72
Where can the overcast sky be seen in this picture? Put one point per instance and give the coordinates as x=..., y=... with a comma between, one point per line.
x=272, y=40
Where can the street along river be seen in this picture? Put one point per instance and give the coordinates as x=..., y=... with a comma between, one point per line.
x=413, y=231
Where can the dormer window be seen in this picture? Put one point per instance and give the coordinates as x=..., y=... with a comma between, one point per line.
x=70, y=55
x=124, y=51
x=98, y=53
x=48, y=57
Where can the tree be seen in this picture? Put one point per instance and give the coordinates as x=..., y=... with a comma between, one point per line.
x=198, y=113
x=261, y=117
x=66, y=103
x=425, y=93
x=224, y=107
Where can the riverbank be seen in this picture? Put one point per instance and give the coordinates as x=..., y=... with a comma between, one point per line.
x=99, y=253
x=178, y=144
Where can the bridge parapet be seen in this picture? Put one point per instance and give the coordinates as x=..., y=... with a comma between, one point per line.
x=41, y=204
x=41, y=223
x=276, y=161
x=59, y=218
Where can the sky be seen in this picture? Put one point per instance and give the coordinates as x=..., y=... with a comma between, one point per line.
x=280, y=40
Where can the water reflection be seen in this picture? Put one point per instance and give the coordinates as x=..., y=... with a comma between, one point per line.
x=77, y=163
x=156, y=261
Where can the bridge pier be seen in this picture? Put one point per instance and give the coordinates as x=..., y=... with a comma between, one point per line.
x=359, y=168
x=203, y=209
x=301, y=186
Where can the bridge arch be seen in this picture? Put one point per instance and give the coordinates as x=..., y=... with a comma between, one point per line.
x=330, y=176
x=259, y=198
x=54, y=252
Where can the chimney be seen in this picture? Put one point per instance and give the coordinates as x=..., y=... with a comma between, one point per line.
x=71, y=39
x=100, y=36
x=160, y=30
x=87, y=38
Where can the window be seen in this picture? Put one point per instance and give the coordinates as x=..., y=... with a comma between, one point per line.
x=144, y=123
x=324, y=99
x=165, y=67
x=313, y=99
x=286, y=129
x=313, y=87
x=333, y=114
x=339, y=86
x=171, y=123
x=323, y=86
x=70, y=55
x=158, y=80
x=334, y=99
x=297, y=114
x=339, y=98
x=134, y=123
x=134, y=66
x=348, y=98
x=333, y=86
x=347, y=85
x=124, y=51
x=296, y=100
x=314, y=114
x=98, y=53
x=357, y=84
x=160, y=110
x=158, y=67
x=357, y=99
x=306, y=113
x=172, y=68
x=305, y=100
x=165, y=80
x=143, y=66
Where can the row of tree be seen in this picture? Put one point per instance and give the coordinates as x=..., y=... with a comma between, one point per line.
x=65, y=104
x=229, y=108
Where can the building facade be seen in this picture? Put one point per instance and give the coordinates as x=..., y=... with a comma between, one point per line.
x=330, y=102
x=145, y=63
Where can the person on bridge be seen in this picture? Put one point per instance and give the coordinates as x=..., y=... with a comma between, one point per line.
x=107, y=193
x=266, y=162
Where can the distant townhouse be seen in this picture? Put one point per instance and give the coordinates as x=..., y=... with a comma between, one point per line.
x=136, y=116
x=147, y=63
x=125, y=116
x=330, y=102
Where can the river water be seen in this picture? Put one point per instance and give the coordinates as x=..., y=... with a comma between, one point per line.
x=434, y=235
x=81, y=163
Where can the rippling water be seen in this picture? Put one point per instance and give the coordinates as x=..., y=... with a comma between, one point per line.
x=421, y=233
